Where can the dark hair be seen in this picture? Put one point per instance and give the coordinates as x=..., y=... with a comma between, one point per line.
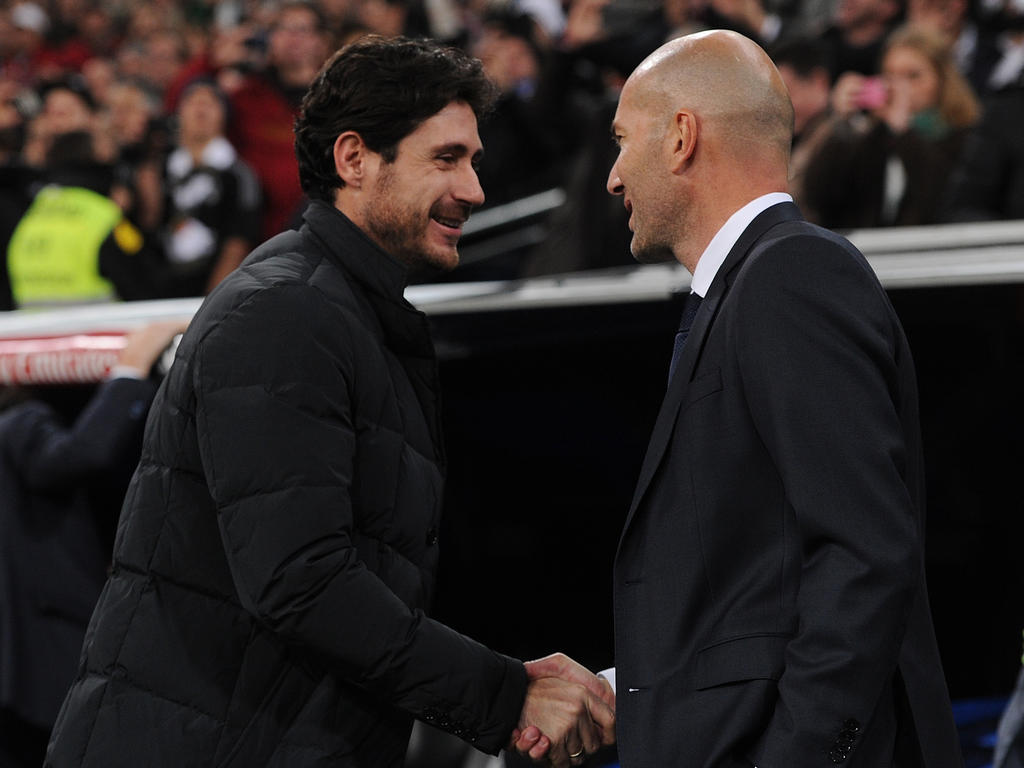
x=320, y=19
x=208, y=83
x=383, y=89
x=74, y=83
x=803, y=54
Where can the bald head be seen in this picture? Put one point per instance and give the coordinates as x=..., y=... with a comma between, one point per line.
x=729, y=82
x=704, y=126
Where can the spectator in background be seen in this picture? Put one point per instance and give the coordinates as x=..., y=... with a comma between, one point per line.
x=17, y=106
x=212, y=197
x=390, y=17
x=889, y=162
x=28, y=24
x=582, y=76
x=520, y=135
x=988, y=182
x=165, y=57
x=1006, y=22
x=67, y=105
x=62, y=480
x=974, y=46
x=265, y=106
x=66, y=48
x=857, y=34
x=804, y=65
x=135, y=123
x=74, y=244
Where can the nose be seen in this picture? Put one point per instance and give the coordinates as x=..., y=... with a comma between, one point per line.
x=469, y=190
x=614, y=183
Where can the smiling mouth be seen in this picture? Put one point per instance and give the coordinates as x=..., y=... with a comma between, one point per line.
x=451, y=223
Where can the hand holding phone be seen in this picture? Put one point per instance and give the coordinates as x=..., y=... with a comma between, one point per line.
x=873, y=93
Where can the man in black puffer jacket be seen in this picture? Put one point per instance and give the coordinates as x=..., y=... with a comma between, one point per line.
x=277, y=546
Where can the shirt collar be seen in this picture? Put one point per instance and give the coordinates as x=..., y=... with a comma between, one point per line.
x=714, y=255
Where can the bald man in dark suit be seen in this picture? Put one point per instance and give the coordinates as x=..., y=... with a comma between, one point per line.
x=769, y=586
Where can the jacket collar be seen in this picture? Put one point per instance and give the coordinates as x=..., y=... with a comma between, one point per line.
x=369, y=264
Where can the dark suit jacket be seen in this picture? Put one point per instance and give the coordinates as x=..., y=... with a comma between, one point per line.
x=770, y=602
x=60, y=493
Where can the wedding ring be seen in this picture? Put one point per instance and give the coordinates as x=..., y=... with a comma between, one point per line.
x=577, y=755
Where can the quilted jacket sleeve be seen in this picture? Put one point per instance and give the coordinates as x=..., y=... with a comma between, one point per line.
x=274, y=383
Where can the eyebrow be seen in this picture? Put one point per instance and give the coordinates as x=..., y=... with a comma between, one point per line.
x=457, y=147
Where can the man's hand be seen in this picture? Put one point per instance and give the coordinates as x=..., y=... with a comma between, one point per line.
x=569, y=712
x=144, y=345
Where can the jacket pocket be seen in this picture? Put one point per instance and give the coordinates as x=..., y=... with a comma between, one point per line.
x=751, y=657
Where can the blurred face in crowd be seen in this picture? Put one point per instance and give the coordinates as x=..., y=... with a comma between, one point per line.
x=130, y=112
x=417, y=204
x=855, y=15
x=165, y=56
x=905, y=68
x=635, y=175
x=809, y=94
x=382, y=17
x=297, y=44
x=200, y=115
x=507, y=59
x=64, y=111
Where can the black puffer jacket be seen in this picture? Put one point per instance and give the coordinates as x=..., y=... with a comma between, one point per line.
x=278, y=544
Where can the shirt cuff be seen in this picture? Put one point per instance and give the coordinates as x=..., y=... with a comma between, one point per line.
x=609, y=675
x=125, y=372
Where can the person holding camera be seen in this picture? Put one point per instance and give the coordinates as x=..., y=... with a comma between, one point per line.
x=895, y=140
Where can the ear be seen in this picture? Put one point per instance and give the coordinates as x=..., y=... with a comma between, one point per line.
x=683, y=136
x=350, y=158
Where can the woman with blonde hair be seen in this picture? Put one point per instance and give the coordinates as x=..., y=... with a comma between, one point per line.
x=896, y=138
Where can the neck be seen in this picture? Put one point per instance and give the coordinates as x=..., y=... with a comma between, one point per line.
x=706, y=220
x=195, y=147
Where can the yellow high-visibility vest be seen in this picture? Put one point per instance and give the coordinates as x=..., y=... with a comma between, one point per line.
x=53, y=256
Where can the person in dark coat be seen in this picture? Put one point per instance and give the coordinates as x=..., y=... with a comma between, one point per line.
x=988, y=183
x=770, y=600
x=277, y=549
x=61, y=485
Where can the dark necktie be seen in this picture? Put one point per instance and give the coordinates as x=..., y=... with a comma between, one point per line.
x=689, y=312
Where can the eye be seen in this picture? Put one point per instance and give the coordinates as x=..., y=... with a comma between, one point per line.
x=448, y=158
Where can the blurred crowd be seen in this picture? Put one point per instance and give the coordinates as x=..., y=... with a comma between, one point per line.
x=146, y=147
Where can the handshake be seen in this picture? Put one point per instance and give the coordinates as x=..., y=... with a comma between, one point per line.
x=569, y=713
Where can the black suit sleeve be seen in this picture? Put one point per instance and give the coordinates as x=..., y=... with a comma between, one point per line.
x=49, y=455
x=821, y=364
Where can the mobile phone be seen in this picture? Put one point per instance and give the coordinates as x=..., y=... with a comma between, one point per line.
x=873, y=93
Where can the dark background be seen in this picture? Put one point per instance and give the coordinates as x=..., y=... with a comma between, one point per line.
x=548, y=413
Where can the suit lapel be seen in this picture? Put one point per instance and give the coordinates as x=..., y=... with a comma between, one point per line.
x=702, y=322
